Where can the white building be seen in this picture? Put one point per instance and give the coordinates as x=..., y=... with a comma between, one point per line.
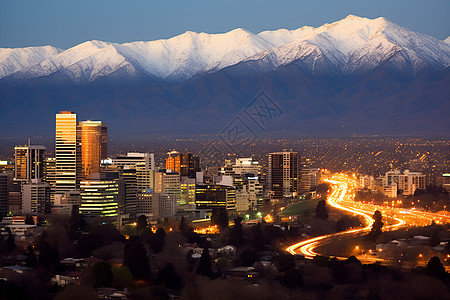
x=406, y=181
x=366, y=182
x=36, y=197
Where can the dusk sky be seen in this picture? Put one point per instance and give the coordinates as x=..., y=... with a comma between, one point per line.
x=67, y=23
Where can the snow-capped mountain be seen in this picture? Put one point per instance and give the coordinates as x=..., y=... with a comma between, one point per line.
x=353, y=45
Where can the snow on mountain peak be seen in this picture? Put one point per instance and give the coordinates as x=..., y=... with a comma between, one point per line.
x=353, y=44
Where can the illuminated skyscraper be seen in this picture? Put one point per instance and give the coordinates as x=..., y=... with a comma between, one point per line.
x=29, y=162
x=99, y=198
x=283, y=173
x=184, y=163
x=67, y=152
x=173, y=162
x=93, y=146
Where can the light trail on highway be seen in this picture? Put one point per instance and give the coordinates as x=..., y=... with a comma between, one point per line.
x=342, y=198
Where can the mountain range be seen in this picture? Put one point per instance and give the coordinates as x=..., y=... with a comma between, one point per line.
x=354, y=76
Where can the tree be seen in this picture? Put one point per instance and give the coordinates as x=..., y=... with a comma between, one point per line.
x=219, y=217
x=103, y=275
x=31, y=259
x=236, y=236
x=169, y=277
x=435, y=268
x=122, y=278
x=204, y=267
x=321, y=210
x=76, y=221
x=377, y=224
x=157, y=240
x=10, y=242
x=141, y=223
x=258, y=237
x=135, y=258
x=183, y=225
x=292, y=278
x=248, y=258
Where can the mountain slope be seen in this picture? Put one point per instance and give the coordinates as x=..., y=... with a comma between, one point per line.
x=350, y=46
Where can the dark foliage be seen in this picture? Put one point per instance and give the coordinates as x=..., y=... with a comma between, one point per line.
x=321, y=210
x=292, y=279
x=436, y=269
x=135, y=258
x=204, y=267
x=284, y=262
x=31, y=259
x=258, y=240
x=11, y=291
x=76, y=221
x=102, y=274
x=236, y=235
x=376, y=226
x=169, y=277
x=183, y=228
x=248, y=258
x=219, y=217
x=141, y=223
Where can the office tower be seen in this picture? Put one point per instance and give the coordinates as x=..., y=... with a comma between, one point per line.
x=168, y=183
x=173, y=162
x=250, y=195
x=93, y=146
x=29, y=162
x=156, y=205
x=242, y=169
x=67, y=152
x=3, y=194
x=143, y=160
x=309, y=178
x=99, y=198
x=187, y=186
x=50, y=176
x=215, y=196
x=283, y=174
x=145, y=179
x=189, y=165
x=186, y=164
x=36, y=197
x=129, y=191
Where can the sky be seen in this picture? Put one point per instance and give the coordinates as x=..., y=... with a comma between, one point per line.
x=66, y=23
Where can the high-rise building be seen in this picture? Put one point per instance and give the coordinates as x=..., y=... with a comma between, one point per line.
x=93, y=146
x=129, y=191
x=144, y=160
x=187, y=186
x=156, y=205
x=189, y=165
x=3, y=194
x=283, y=174
x=407, y=182
x=99, y=198
x=50, y=176
x=215, y=196
x=168, y=183
x=29, y=162
x=36, y=197
x=186, y=164
x=173, y=162
x=67, y=152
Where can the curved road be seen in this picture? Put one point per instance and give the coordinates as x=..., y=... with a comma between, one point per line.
x=342, y=198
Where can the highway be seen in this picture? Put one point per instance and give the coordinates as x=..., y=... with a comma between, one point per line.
x=342, y=197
